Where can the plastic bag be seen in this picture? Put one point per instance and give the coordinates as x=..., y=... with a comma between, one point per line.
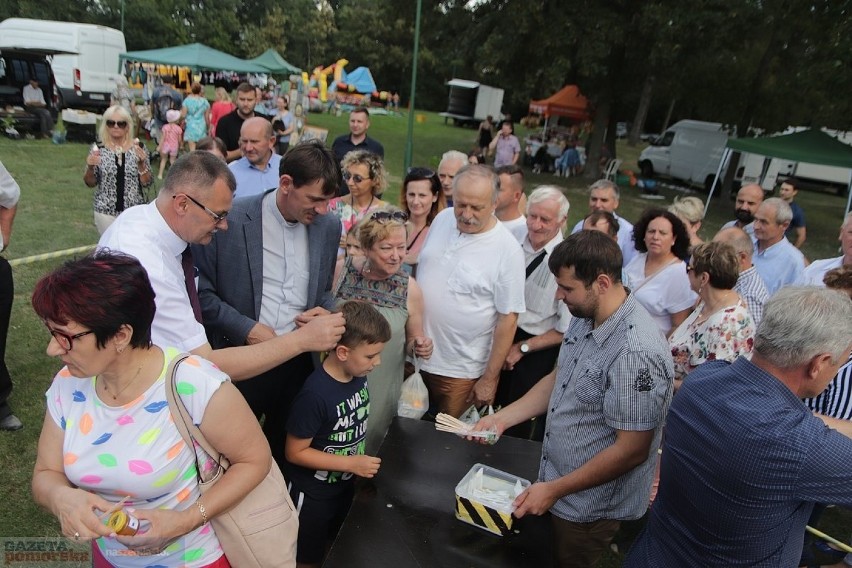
x=414, y=400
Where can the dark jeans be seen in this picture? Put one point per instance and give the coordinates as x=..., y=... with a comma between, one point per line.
x=514, y=384
x=270, y=395
x=7, y=293
x=45, y=119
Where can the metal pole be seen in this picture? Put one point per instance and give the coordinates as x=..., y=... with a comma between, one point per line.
x=122, y=16
x=409, y=142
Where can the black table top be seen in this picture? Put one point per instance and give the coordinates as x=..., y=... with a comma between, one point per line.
x=404, y=517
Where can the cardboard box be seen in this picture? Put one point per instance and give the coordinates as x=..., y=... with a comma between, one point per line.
x=485, y=500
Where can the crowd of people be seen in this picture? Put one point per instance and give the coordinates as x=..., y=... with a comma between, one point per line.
x=256, y=255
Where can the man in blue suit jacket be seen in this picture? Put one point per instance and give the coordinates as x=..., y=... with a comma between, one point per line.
x=273, y=267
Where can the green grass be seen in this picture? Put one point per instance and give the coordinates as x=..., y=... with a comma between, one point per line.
x=55, y=213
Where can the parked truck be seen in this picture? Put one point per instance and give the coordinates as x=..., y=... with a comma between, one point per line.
x=689, y=151
x=87, y=71
x=471, y=102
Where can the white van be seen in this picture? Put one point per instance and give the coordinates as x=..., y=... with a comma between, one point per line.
x=689, y=150
x=84, y=79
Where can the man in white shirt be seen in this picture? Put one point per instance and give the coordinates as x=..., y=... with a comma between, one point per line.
x=541, y=327
x=509, y=199
x=749, y=198
x=191, y=207
x=471, y=271
x=778, y=262
x=815, y=272
x=35, y=103
x=604, y=196
x=257, y=170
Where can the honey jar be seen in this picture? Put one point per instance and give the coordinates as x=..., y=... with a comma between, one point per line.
x=123, y=523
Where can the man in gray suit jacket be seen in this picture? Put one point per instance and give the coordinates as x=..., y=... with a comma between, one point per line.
x=271, y=271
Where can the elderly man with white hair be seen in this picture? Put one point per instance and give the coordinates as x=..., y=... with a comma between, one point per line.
x=541, y=327
x=451, y=162
x=604, y=196
x=471, y=271
x=778, y=262
x=745, y=461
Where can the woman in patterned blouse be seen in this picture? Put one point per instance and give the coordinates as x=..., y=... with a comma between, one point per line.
x=720, y=327
x=118, y=166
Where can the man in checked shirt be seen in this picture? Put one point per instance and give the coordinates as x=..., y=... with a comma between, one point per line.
x=606, y=402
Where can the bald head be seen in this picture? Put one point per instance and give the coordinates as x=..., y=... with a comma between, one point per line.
x=257, y=141
x=749, y=198
x=740, y=241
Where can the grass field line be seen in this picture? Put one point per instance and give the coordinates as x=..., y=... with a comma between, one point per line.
x=50, y=255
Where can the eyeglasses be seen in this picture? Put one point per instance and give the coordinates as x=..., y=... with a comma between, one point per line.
x=422, y=173
x=66, y=341
x=385, y=216
x=690, y=268
x=114, y=123
x=358, y=178
x=217, y=217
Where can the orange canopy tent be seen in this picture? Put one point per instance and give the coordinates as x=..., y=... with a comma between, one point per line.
x=567, y=102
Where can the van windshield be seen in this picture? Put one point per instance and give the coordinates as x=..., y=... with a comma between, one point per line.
x=665, y=139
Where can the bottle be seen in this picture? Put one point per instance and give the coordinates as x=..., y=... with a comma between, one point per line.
x=123, y=523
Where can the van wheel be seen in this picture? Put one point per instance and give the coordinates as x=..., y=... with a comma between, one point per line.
x=647, y=169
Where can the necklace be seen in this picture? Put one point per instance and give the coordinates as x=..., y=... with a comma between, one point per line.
x=116, y=395
x=707, y=310
x=414, y=240
x=355, y=217
x=119, y=155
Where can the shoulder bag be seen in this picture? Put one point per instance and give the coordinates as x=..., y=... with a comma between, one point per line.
x=261, y=530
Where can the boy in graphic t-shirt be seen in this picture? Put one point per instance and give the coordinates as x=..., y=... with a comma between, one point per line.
x=326, y=431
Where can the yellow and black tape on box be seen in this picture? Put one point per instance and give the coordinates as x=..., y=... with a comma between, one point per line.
x=484, y=517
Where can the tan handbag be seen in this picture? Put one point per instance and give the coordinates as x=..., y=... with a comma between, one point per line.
x=261, y=530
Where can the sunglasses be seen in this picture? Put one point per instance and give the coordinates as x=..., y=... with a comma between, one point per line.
x=358, y=178
x=118, y=123
x=217, y=217
x=690, y=268
x=66, y=341
x=422, y=173
x=385, y=216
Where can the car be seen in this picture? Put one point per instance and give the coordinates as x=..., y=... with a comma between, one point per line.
x=621, y=130
x=17, y=66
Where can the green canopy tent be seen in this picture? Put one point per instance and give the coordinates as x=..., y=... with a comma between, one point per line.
x=196, y=56
x=810, y=146
x=273, y=61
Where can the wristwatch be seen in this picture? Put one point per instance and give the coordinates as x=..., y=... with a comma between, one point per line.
x=525, y=347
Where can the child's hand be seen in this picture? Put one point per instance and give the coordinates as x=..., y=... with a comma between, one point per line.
x=365, y=466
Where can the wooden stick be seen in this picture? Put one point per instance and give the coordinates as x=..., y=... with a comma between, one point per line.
x=841, y=545
x=115, y=507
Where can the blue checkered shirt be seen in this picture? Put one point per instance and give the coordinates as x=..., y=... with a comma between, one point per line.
x=616, y=377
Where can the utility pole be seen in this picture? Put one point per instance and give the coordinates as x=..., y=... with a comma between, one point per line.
x=409, y=142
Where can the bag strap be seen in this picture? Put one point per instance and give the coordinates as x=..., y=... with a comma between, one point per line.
x=655, y=273
x=180, y=415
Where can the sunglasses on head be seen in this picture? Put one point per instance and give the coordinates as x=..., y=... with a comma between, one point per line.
x=422, y=173
x=114, y=123
x=357, y=177
x=385, y=216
